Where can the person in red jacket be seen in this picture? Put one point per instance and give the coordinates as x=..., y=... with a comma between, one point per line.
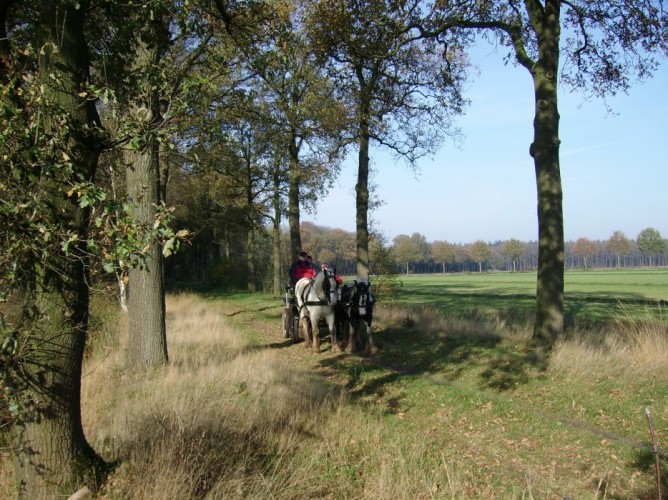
x=325, y=267
x=301, y=268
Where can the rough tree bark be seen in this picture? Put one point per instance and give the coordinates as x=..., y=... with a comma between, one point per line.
x=549, y=322
x=147, y=345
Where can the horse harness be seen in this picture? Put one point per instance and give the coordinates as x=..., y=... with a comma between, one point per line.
x=321, y=284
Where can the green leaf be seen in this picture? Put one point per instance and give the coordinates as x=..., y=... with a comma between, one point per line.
x=168, y=247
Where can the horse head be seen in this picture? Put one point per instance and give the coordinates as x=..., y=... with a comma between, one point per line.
x=358, y=297
x=325, y=286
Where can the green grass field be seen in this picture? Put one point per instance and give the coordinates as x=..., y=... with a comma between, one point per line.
x=589, y=296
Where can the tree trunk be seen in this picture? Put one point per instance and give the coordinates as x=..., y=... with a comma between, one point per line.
x=51, y=454
x=147, y=341
x=362, y=197
x=276, y=232
x=293, y=200
x=545, y=151
x=250, y=264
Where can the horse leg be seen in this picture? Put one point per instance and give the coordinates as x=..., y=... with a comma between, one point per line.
x=370, y=346
x=340, y=319
x=351, y=329
x=316, y=335
x=331, y=324
x=350, y=333
x=305, y=328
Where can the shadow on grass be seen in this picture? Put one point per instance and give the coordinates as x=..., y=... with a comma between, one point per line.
x=578, y=306
x=442, y=357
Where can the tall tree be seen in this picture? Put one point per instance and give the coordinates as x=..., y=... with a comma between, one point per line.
x=422, y=245
x=607, y=43
x=50, y=147
x=650, y=243
x=513, y=249
x=402, y=87
x=480, y=252
x=406, y=250
x=585, y=248
x=443, y=252
x=618, y=244
x=147, y=345
x=301, y=107
x=303, y=111
x=148, y=81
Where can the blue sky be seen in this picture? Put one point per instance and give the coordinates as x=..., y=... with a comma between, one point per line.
x=614, y=167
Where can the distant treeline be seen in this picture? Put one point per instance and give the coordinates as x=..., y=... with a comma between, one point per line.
x=219, y=258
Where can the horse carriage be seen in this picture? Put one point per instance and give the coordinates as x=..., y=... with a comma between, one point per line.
x=346, y=311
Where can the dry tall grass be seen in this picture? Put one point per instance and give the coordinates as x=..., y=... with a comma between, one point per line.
x=226, y=419
x=632, y=347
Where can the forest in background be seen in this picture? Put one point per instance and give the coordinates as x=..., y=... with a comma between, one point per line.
x=221, y=262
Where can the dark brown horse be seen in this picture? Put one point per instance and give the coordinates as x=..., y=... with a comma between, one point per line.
x=354, y=314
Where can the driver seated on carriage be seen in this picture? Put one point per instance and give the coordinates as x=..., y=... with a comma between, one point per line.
x=304, y=267
x=301, y=268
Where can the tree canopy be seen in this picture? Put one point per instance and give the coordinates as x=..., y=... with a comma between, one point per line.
x=650, y=243
x=403, y=87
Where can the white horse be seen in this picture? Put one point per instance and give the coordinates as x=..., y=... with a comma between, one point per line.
x=316, y=298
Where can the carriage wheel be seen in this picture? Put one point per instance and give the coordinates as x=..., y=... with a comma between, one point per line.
x=294, y=332
x=286, y=322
